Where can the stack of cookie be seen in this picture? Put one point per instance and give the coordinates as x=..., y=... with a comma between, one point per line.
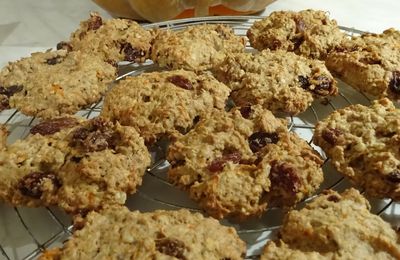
x=234, y=160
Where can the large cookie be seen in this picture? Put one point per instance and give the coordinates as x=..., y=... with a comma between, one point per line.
x=114, y=40
x=54, y=83
x=196, y=48
x=370, y=63
x=235, y=164
x=280, y=81
x=73, y=163
x=363, y=144
x=164, y=103
x=117, y=233
x=309, y=33
x=334, y=226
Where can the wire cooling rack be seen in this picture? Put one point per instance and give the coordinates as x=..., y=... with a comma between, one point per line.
x=26, y=232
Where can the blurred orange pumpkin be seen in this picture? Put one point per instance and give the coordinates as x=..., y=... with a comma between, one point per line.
x=160, y=10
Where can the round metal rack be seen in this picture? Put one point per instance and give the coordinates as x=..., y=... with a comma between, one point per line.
x=26, y=232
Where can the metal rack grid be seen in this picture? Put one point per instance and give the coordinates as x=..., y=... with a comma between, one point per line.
x=27, y=232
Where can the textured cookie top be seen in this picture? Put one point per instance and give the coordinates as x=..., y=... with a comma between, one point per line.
x=309, y=33
x=164, y=103
x=114, y=40
x=117, y=233
x=335, y=226
x=363, y=144
x=73, y=163
x=195, y=48
x=280, y=81
x=53, y=83
x=370, y=63
x=236, y=163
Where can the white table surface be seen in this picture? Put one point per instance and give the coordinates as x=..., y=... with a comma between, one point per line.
x=32, y=25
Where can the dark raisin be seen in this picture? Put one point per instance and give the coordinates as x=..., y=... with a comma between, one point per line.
x=331, y=135
x=276, y=44
x=300, y=25
x=11, y=90
x=53, y=126
x=333, y=198
x=285, y=176
x=31, y=184
x=394, y=83
x=76, y=159
x=246, y=111
x=171, y=247
x=112, y=63
x=371, y=61
x=260, y=139
x=181, y=82
x=394, y=176
x=323, y=85
x=53, y=61
x=196, y=119
x=218, y=164
x=297, y=41
x=64, y=46
x=304, y=82
x=177, y=163
x=95, y=23
x=131, y=53
x=146, y=99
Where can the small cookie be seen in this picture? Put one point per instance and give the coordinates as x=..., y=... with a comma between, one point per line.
x=195, y=48
x=114, y=40
x=164, y=103
x=117, y=233
x=334, y=226
x=280, y=81
x=370, y=63
x=236, y=163
x=54, y=83
x=309, y=33
x=363, y=144
x=73, y=163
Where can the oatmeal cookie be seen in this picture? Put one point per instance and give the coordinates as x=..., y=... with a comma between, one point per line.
x=334, y=226
x=196, y=48
x=114, y=40
x=236, y=163
x=53, y=83
x=370, y=63
x=309, y=33
x=363, y=144
x=164, y=103
x=117, y=233
x=280, y=81
x=73, y=163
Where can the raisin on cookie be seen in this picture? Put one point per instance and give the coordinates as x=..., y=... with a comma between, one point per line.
x=362, y=143
x=235, y=164
x=53, y=83
x=114, y=40
x=164, y=103
x=370, y=63
x=309, y=33
x=280, y=81
x=117, y=233
x=334, y=226
x=76, y=164
x=195, y=48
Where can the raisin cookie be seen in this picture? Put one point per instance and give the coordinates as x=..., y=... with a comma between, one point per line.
x=236, y=163
x=370, y=63
x=363, y=144
x=334, y=226
x=117, y=233
x=114, y=40
x=164, y=103
x=73, y=163
x=196, y=48
x=53, y=83
x=309, y=33
x=280, y=81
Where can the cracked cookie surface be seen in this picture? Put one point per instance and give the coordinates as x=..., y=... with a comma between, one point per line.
x=73, y=163
x=235, y=164
x=334, y=226
x=117, y=233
